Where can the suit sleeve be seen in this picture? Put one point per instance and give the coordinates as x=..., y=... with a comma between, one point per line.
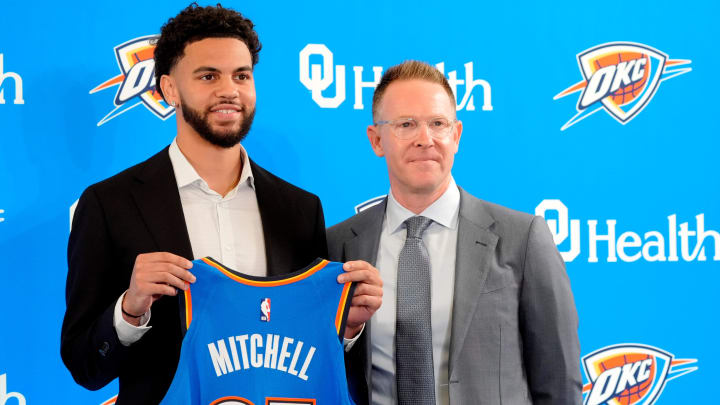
x=357, y=369
x=549, y=322
x=89, y=344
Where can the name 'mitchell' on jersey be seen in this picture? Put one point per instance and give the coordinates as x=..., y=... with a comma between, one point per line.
x=263, y=340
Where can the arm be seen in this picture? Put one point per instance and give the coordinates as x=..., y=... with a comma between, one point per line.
x=549, y=322
x=357, y=367
x=89, y=345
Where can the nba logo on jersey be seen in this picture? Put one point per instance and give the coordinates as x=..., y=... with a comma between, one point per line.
x=265, y=310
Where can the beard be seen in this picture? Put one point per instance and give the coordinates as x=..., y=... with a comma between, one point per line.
x=222, y=138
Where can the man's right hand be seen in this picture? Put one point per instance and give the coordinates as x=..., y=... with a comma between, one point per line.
x=154, y=275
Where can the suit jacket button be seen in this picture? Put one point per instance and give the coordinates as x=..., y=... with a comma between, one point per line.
x=104, y=349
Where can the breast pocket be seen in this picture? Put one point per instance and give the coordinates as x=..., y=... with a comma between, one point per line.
x=496, y=279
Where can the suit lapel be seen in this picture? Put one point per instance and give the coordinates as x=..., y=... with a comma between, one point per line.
x=157, y=197
x=271, y=216
x=475, y=248
x=364, y=246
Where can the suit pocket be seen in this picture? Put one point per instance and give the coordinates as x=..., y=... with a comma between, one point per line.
x=497, y=279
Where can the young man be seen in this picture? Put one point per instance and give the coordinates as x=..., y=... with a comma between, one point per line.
x=477, y=304
x=134, y=234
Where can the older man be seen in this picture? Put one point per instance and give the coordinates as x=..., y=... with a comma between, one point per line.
x=477, y=304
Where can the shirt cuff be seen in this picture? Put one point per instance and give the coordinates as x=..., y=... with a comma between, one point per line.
x=127, y=333
x=349, y=343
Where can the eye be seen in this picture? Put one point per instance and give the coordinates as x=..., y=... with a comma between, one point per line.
x=207, y=76
x=243, y=76
x=405, y=124
x=439, y=123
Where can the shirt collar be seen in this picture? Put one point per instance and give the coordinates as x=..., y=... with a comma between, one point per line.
x=185, y=173
x=443, y=211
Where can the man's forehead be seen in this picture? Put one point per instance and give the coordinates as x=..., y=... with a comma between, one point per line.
x=409, y=96
x=226, y=53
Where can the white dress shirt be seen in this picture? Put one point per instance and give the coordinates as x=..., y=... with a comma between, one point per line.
x=440, y=239
x=227, y=228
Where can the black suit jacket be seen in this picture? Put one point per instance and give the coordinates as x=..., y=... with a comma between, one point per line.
x=139, y=211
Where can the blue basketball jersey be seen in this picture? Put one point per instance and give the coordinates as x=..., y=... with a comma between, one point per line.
x=263, y=340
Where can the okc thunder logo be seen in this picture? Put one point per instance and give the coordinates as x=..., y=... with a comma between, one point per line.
x=136, y=80
x=628, y=374
x=622, y=78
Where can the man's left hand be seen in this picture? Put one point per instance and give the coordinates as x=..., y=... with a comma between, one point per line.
x=368, y=294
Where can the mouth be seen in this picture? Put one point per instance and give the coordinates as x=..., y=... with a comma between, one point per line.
x=226, y=111
x=427, y=159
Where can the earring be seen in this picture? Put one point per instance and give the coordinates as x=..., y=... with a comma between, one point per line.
x=172, y=103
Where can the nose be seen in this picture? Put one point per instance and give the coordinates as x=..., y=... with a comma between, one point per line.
x=226, y=88
x=423, y=137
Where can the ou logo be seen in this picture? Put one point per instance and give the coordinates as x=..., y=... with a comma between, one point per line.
x=317, y=78
x=561, y=227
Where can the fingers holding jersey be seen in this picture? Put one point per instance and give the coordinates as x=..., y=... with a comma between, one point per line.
x=154, y=275
x=367, y=297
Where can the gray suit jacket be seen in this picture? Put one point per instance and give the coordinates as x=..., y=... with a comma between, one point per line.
x=514, y=324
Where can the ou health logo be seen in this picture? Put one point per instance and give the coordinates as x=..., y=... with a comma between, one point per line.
x=136, y=80
x=622, y=78
x=630, y=374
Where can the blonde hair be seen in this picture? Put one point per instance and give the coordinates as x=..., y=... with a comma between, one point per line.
x=410, y=70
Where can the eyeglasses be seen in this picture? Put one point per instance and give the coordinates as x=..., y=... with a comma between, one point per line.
x=407, y=128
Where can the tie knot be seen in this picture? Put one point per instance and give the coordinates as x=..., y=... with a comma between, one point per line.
x=416, y=226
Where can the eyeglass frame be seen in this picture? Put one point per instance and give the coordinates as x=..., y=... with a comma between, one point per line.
x=452, y=123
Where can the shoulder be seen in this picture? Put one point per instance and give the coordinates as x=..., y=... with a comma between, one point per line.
x=349, y=227
x=267, y=181
x=121, y=183
x=491, y=215
x=515, y=229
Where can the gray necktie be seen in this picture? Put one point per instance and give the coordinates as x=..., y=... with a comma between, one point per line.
x=413, y=330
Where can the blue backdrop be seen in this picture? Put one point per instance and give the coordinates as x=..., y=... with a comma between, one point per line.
x=630, y=191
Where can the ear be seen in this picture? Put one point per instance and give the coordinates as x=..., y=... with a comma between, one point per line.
x=373, y=134
x=457, y=134
x=167, y=84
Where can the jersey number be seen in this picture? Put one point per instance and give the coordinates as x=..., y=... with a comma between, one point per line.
x=268, y=401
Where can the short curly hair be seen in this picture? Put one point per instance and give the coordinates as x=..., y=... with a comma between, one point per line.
x=195, y=23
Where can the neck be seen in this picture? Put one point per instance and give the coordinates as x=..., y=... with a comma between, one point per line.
x=417, y=200
x=219, y=167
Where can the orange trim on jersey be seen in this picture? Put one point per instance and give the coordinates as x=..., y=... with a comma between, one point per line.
x=272, y=283
x=299, y=401
x=341, y=307
x=110, y=401
x=188, y=308
x=244, y=400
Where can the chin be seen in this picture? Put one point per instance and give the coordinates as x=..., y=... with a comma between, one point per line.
x=428, y=183
x=424, y=187
x=226, y=127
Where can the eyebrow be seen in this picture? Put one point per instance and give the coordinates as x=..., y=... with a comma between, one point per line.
x=213, y=69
